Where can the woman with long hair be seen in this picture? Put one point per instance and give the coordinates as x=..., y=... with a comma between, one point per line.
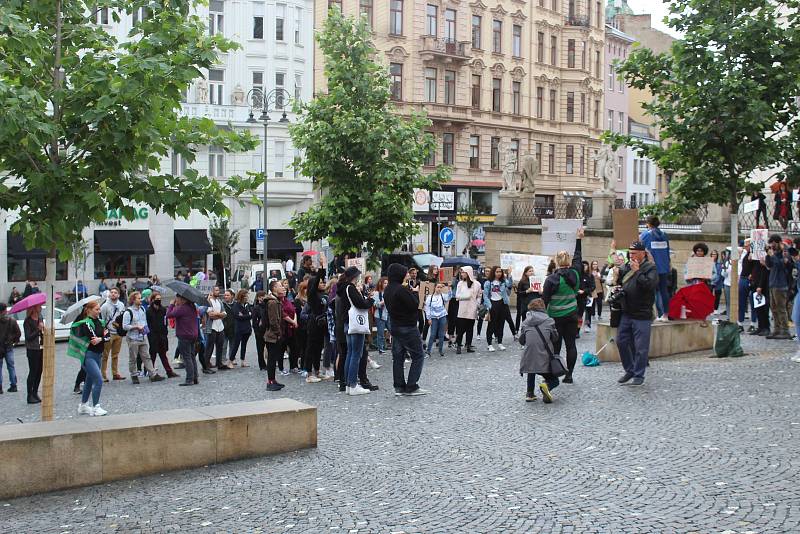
x=599, y=295
x=452, y=308
x=525, y=293
x=584, y=294
x=483, y=310
x=259, y=320
x=91, y=334
x=290, y=325
x=496, y=291
x=301, y=336
x=381, y=315
x=468, y=294
x=783, y=205
x=317, y=325
x=351, y=297
x=32, y=327
x=243, y=314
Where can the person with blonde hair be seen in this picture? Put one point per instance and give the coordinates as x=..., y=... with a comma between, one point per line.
x=560, y=295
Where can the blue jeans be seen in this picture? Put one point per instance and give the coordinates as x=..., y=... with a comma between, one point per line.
x=633, y=342
x=438, y=330
x=380, y=329
x=12, y=370
x=662, y=294
x=796, y=315
x=355, y=348
x=727, y=291
x=406, y=339
x=744, y=294
x=94, y=379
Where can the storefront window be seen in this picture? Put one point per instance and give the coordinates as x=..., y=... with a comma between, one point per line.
x=185, y=261
x=109, y=265
x=22, y=269
x=482, y=202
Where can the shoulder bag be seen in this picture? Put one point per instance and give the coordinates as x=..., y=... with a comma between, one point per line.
x=358, y=320
x=556, y=365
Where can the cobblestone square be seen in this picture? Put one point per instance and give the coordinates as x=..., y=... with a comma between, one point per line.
x=706, y=445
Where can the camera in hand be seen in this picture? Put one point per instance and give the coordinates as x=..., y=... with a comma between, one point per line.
x=616, y=299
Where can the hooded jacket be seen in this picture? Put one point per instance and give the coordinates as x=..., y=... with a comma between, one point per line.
x=274, y=319
x=536, y=356
x=657, y=244
x=468, y=297
x=401, y=302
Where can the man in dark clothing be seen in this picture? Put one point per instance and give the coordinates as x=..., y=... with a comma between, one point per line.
x=639, y=280
x=306, y=268
x=777, y=262
x=403, y=306
x=9, y=336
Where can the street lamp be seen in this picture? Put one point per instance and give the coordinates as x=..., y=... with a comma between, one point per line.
x=266, y=102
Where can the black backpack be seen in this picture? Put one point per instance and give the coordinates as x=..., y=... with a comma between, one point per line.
x=117, y=323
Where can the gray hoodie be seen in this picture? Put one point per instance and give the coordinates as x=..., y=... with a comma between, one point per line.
x=536, y=357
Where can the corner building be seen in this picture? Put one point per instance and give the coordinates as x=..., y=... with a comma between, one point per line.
x=497, y=78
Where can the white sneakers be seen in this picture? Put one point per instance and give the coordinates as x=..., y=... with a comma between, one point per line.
x=501, y=346
x=478, y=337
x=491, y=348
x=373, y=364
x=97, y=411
x=313, y=379
x=357, y=390
x=329, y=375
x=85, y=409
x=796, y=357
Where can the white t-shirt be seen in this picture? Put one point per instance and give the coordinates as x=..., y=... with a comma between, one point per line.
x=289, y=265
x=216, y=306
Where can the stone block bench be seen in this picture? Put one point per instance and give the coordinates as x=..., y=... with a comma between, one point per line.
x=41, y=457
x=666, y=339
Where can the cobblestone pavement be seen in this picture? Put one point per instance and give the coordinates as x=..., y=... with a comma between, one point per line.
x=705, y=446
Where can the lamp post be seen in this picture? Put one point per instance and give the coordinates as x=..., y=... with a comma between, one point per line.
x=277, y=99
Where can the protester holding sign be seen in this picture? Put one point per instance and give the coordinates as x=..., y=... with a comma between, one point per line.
x=525, y=294
x=759, y=291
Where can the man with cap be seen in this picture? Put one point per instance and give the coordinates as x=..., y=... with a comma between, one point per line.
x=639, y=280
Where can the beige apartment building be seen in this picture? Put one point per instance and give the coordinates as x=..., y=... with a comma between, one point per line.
x=498, y=80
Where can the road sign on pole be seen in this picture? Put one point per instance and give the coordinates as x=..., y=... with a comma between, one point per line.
x=446, y=235
x=259, y=234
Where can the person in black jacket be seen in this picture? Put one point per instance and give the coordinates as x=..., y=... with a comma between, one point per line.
x=157, y=337
x=639, y=280
x=585, y=291
x=351, y=297
x=759, y=290
x=317, y=325
x=243, y=330
x=259, y=319
x=403, y=305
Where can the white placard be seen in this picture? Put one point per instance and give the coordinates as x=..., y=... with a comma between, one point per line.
x=561, y=225
x=361, y=263
x=759, y=300
x=750, y=207
x=421, y=201
x=554, y=242
x=206, y=286
x=518, y=262
x=443, y=200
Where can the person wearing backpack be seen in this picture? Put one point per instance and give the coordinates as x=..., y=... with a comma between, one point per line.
x=560, y=295
x=109, y=312
x=134, y=324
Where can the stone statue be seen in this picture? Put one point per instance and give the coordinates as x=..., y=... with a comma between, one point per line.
x=530, y=171
x=607, y=168
x=508, y=164
x=201, y=91
x=238, y=95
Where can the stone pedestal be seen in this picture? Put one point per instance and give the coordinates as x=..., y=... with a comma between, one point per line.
x=505, y=207
x=718, y=220
x=601, y=210
x=666, y=339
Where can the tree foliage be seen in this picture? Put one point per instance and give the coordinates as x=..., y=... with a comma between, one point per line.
x=724, y=98
x=76, y=144
x=223, y=240
x=364, y=156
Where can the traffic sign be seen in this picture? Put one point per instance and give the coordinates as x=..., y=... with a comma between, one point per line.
x=446, y=235
x=259, y=234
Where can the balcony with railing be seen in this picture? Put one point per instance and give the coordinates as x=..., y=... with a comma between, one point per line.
x=577, y=20
x=446, y=50
x=444, y=114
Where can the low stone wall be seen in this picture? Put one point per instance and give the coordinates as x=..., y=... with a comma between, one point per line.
x=41, y=457
x=666, y=339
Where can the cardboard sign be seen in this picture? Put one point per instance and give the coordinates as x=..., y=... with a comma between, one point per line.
x=626, y=226
x=518, y=262
x=206, y=286
x=446, y=274
x=561, y=225
x=426, y=289
x=699, y=268
x=361, y=263
x=758, y=243
x=750, y=207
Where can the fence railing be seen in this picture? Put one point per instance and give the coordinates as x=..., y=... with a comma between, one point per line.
x=527, y=212
x=690, y=221
x=765, y=218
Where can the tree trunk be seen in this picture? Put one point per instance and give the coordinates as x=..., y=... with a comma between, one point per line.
x=733, y=305
x=49, y=345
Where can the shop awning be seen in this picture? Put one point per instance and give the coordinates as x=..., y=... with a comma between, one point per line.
x=283, y=240
x=16, y=248
x=128, y=241
x=192, y=241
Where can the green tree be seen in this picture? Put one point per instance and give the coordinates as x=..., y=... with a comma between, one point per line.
x=725, y=98
x=86, y=119
x=468, y=219
x=365, y=157
x=223, y=242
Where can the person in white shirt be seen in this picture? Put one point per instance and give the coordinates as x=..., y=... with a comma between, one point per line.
x=216, y=334
x=436, y=314
x=290, y=265
x=108, y=312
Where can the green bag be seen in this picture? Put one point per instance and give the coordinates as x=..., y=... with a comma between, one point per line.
x=728, y=342
x=76, y=346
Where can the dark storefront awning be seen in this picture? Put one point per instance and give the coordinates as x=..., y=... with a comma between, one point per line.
x=283, y=240
x=16, y=248
x=129, y=241
x=192, y=241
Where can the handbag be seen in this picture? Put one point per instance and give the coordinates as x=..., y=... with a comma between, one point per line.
x=556, y=365
x=357, y=320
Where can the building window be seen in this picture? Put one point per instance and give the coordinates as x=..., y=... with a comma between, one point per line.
x=583, y=108
x=335, y=3
x=298, y=86
x=280, y=80
x=396, y=17
x=553, y=104
x=396, y=78
x=621, y=122
x=102, y=16
x=476, y=31
x=495, y=153
x=116, y=265
x=647, y=173
x=280, y=164
x=597, y=65
x=450, y=25
x=553, y=50
x=515, y=152
x=496, y=93
x=635, y=171
x=571, y=53
x=539, y=154
x=430, y=84
x=450, y=87
x=280, y=15
x=599, y=8
x=497, y=36
x=570, y=107
x=611, y=76
x=554, y=5
x=516, y=41
x=448, y=149
x=551, y=159
x=258, y=81
x=540, y=47
x=216, y=162
x=570, y=159
x=24, y=269
x=365, y=10
x=190, y=262
x=539, y=102
x=216, y=86
x=571, y=9
x=474, y=152
x=516, y=98
x=583, y=159
x=597, y=114
x=178, y=164
x=258, y=27
x=621, y=162
x=215, y=17
x=610, y=121
x=476, y=91
x=432, y=19
x=298, y=24
x=620, y=84
x=594, y=158
x=430, y=158
x=583, y=55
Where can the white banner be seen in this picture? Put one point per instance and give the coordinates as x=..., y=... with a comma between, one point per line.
x=559, y=234
x=750, y=207
x=518, y=262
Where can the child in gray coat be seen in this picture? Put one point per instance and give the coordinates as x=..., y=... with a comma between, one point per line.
x=538, y=334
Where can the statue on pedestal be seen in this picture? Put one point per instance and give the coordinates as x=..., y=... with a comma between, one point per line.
x=201, y=91
x=530, y=171
x=238, y=95
x=607, y=168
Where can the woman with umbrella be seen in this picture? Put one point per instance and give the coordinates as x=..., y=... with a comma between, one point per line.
x=32, y=328
x=186, y=330
x=87, y=338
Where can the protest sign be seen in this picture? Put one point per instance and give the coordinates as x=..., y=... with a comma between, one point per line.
x=699, y=268
x=750, y=207
x=206, y=286
x=518, y=262
x=446, y=274
x=361, y=263
x=758, y=243
x=626, y=226
x=559, y=234
x=426, y=289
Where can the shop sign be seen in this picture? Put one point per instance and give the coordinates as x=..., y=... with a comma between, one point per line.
x=114, y=217
x=443, y=201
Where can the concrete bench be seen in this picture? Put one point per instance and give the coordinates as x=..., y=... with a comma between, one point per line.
x=41, y=457
x=666, y=339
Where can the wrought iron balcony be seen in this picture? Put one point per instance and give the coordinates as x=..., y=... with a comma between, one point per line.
x=578, y=20
x=444, y=49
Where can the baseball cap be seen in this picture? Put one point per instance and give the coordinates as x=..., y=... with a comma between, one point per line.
x=637, y=245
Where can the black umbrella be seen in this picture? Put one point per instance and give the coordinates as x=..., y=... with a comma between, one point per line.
x=139, y=286
x=188, y=292
x=461, y=261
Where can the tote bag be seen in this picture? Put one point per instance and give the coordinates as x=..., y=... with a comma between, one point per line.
x=358, y=320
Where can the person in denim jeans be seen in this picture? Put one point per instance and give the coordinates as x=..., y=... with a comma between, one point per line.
x=436, y=313
x=90, y=328
x=9, y=336
x=350, y=296
x=381, y=316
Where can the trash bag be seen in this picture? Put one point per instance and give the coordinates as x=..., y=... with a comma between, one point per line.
x=728, y=342
x=590, y=360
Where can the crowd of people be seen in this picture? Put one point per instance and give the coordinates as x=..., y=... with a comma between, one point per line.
x=321, y=323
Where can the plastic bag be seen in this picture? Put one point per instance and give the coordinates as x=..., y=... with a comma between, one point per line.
x=728, y=342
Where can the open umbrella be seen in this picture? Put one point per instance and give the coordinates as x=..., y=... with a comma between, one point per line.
x=188, y=292
x=139, y=286
x=478, y=242
x=461, y=261
x=37, y=299
x=160, y=289
x=75, y=310
x=310, y=253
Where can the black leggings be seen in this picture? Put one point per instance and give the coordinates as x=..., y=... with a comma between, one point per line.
x=260, y=346
x=464, y=326
x=35, y=370
x=452, y=316
x=314, y=346
x=497, y=317
x=274, y=351
x=567, y=328
x=598, y=303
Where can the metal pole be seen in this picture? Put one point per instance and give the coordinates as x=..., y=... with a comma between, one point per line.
x=266, y=233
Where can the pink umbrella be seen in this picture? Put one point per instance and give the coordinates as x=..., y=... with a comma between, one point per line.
x=310, y=253
x=478, y=242
x=37, y=299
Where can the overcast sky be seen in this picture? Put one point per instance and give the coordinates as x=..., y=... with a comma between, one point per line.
x=657, y=8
